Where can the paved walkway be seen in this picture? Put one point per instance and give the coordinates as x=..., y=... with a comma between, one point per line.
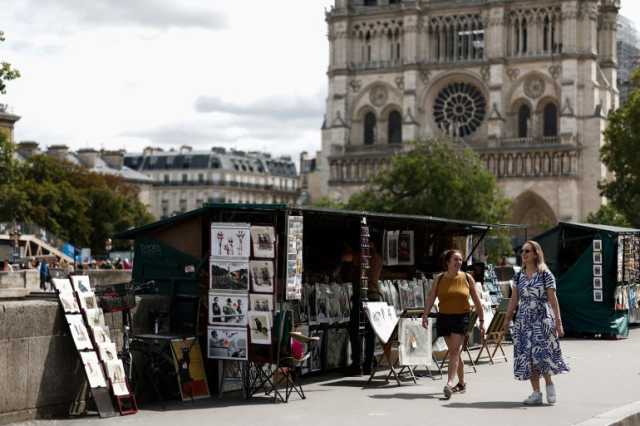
x=605, y=375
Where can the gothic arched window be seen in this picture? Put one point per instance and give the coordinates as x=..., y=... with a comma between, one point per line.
x=524, y=115
x=550, y=120
x=369, y=128
x=459, y=109
x=370, y=2
x=395, y=128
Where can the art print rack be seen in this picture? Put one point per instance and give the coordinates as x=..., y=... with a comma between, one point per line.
x=103, y=370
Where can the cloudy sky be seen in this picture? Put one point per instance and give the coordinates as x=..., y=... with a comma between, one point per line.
x=113, y=74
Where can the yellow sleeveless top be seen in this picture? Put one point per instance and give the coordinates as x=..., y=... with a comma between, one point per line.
x=453, y=294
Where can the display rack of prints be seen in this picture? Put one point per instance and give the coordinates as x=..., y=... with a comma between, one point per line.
x=294, y=258
x=597, y=261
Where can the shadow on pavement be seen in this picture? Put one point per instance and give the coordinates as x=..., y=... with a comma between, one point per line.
x=409, y=396
x=491, y=405
x=354, y=383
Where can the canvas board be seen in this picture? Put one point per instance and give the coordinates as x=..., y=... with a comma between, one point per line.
x=230, y=240
x=263, y=239
x=260, y=327
x=262, y=276
x=92, y=367
x=261, y=302
x=79, y=332
x=383, y=319
x=228, y=308
x=414, y=342
x=227, y=343
x=81, y=283
x=229, y=275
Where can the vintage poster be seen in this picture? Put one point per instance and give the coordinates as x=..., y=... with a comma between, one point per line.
x=264, y=241
x=230, y=276
x=414, y=342
x=405, y=248
x=383, y=319
x=261, y=302
x=230, y=240
x=294, y=258
x=190, y=368
x=227, y=343
x=262, y=276
x=92, y=367
x=228, y=308
x=260, y=327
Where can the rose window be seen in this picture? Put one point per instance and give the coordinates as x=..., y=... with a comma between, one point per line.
x=459, y=109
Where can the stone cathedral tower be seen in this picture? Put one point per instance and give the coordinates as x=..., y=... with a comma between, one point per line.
x=527, y=84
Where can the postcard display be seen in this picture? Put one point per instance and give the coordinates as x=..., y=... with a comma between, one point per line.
x=104, y=370
x=627, y=291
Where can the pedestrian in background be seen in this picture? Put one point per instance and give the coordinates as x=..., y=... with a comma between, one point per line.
x=538, y=326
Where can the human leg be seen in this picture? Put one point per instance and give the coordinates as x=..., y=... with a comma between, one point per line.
x=454, y=344
x=536, y=396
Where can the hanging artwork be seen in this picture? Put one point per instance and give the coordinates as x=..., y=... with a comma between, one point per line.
x=407, y=297
x=293, y=277
x=95, y=317
x=260, y=328
x=228, y=308
x=92, y=367
x=597, y=296
x=382, y=318
x=261, y=302
x=108, y=352
x=68, y=302
x=597, y=270
x=88, y=300
x=190, y=365
x=310, y=296
x=81, y=283
x=117, y=377
x=405, y=248
x=316, y=349
x=391, y=247
x=262, y=276
x=344, y=301
x=597, y=245
x=597, y=258
x=322, y=303
x=418, y=294
x=100, y=335
x=620, y=259
x=337, y=342
x=264, y=241
x=62, y=285
x=229, y=275
x=227, y=343
x=230, y=240
x=597, y=283
x=79, y=332
x=414, y=342
x=333, y=303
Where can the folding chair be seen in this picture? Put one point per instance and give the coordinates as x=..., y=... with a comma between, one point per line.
x=473, y=317
x=494, y=335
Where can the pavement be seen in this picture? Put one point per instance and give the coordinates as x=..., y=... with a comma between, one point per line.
x=603, y=387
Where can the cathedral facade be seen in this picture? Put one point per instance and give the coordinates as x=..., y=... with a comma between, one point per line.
x=526, y=84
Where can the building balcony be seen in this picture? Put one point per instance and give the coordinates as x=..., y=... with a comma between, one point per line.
x=375, y=65
x=359, y=151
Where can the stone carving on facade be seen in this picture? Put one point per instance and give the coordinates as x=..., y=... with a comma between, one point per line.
x=378, y=95
x=555, y=71
x=355, y=85
x=409, y=118
x=425, y=75
x=567, y=109
x=513, y=73
x=485, y=72
x=339, y=121
x=534, y=87
x=400, y=82
x=495, y=113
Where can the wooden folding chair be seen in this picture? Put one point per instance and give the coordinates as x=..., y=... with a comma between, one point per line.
x=473, y=317
x=494, y=335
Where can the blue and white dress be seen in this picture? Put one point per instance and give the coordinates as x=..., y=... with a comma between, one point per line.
x=535, y=344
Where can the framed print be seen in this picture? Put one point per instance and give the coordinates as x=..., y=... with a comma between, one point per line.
x=79, y=332
x=405, y=248
x=597, y=270
x=260, y=328
x=597, y=245
x=597, y=296
x=117, y=377
x=261, y=276
x=229, y=275
x=227, y=343
x=92, y=367
x=264, y=241
x=101, y=335
x=68, y=302
x=228, y=308
x=88, y=300
x=81, y=283
x=108, y=352
x=63, y=285
x=597, y=283
x=391, y=247
x=597, y=258
x=261, y=302
x=414, y=342
x=191, y=374
x=230, y=240
x=95, y=317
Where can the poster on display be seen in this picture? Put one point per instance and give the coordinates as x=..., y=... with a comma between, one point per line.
x=322, y=303
x=597, y=283
x=405, y=248
x=228, y=308
x=597, y=296
x=92, y=367
x=81, y=283
x=68, y=302
x=88, y=300
x=264, y=241
x=100, y=335
x=414, y=342
x=79, y=332
x=63, y=285
x=230, y=276
x=597, y=245
x=262, y=276
x=391, y=248
x=315, y=349
x=260, y=327
x=115, y=373
x=620, y=259
x=108, y=352
x=383, y=319
x=227, y=343
x=261, y=302
x=230, y=240
x=190, y=368
x=407, y=296
x=294, y=258
x=95, y=317
x=597, y=258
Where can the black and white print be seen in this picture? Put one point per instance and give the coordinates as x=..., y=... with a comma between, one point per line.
x=260, y=327
x=597, y=296
x=229, y=240
x=117, y=377
x=62, y=285
x=414, y=342
x=315, y=349
x=597, y=270
x=68, y=302
x=263, y=238
x=88, y=300
x=79, y=332
x=95, y=317
x=597, y=258
x=228, y=309
x=261, y=276
x=226, y=275
x=101, y=335
x=383, y=319
x=261, y=302
x=597, y=245
x=108, y=352
x=227, y=343
x=81, y=283
x=597, y=283
x=92, y=367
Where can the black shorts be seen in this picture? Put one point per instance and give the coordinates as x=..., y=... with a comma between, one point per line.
x=448, y=324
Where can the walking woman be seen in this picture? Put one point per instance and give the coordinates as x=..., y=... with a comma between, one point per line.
x=536, y=349
x=453, y=288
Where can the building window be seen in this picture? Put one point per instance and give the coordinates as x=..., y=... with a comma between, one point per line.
x=370, y=2
x=167, y=179
x=395, y=128
x=165, y=209
x=550, y=120
x=183, y=205
x=369, y=129
x=185, y=178
x=199, y=203
x=200, y=178
x=524, y=115
x=459, y=109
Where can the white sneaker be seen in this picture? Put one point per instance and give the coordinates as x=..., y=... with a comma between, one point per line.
x=551, y=394
x=534, y=399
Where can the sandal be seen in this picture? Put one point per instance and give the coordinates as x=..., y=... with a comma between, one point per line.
x=448, y=391
x=459, y=388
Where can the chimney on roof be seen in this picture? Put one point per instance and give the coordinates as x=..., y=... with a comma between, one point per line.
x=88, y=157
x=114, y=159
x=59, y=152
x=28, y=149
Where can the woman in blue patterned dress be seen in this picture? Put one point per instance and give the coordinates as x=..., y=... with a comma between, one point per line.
x=537, y=327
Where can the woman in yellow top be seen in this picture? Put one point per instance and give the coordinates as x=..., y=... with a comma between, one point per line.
x=453, y=288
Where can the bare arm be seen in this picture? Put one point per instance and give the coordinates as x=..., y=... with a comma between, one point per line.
x=513, y=304
x=474, y=296
x=555, y=307
x=431, y=298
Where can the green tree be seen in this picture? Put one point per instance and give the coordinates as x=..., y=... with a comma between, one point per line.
x=7, y=72
x=621, y=154
x=608, y=215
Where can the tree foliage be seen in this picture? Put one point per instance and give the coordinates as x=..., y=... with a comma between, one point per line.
x=608, y=215
x=621, y=154
x=7, y=72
